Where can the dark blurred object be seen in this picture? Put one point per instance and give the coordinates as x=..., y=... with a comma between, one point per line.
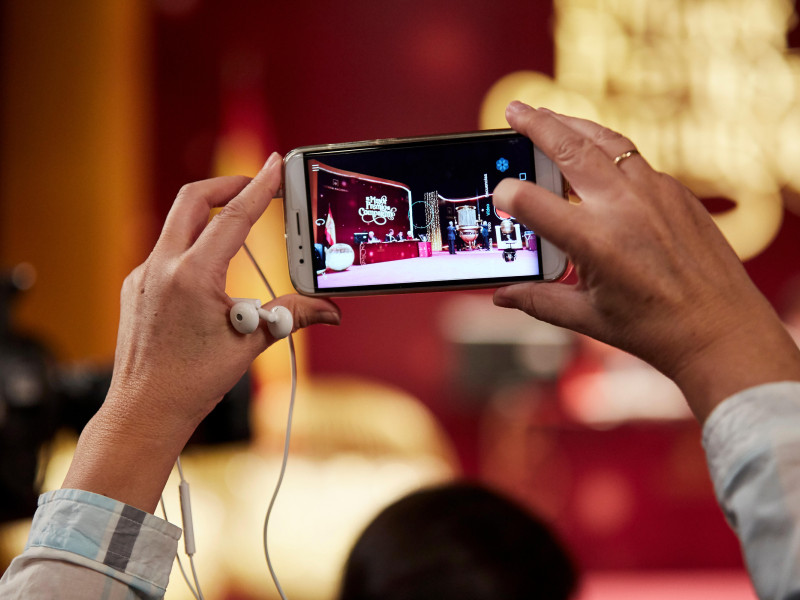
x=38, y=397
x=460, y=540
x=27, y=403
x=82, y=389
x=492, y=348
x=230, y=420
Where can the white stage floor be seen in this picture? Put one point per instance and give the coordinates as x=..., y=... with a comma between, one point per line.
x=441, y=266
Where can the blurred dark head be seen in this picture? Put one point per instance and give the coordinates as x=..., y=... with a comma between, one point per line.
x=457, y=541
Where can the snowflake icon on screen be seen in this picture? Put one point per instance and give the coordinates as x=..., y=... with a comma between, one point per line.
x=502, y=165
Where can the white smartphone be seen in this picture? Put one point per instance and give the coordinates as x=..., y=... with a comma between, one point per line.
x=414, y=214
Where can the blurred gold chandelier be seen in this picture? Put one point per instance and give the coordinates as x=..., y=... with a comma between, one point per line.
x=706, y=89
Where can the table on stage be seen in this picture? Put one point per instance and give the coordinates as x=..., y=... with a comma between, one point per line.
x=385, y=251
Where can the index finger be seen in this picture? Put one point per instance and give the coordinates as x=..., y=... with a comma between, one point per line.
x=189, y=213
x=612, y=144
x=228, y=230
x=580, y=159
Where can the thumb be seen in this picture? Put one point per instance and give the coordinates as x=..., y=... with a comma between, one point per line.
x=560, y=304
x=308, y=311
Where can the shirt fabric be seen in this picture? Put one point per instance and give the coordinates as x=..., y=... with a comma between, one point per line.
x=752, y=443
x=83, y=545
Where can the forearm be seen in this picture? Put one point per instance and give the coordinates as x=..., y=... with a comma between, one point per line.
x=127, y=458
x=756, y=351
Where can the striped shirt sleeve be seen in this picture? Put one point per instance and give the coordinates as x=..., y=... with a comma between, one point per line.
x=83, y=545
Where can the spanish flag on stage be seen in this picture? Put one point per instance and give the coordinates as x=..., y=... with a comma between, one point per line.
x=330, y=229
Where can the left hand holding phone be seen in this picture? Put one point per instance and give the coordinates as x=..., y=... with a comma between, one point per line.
x=656, y=276
x=177, y=353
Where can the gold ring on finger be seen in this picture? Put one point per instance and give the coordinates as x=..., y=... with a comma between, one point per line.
x=625, y=155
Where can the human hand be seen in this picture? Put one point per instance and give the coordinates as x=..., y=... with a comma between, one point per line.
x=177, y=353
x=656, y=276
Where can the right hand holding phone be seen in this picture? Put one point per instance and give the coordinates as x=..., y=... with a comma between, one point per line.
x=656, y=276
x=177, y=352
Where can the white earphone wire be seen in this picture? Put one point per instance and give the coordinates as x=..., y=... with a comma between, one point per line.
x=287, y=438
x=197, y=593
x=195, y=590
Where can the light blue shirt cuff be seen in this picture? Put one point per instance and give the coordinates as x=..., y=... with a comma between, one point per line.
x=113, y=538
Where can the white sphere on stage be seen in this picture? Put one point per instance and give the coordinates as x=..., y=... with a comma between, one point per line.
x=339, y=257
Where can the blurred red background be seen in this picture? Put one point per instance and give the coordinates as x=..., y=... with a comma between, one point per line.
x=329, y=72
x=298, y=73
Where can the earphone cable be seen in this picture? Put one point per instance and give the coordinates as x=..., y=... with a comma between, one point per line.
x=195, y=590
x=284, y=462
x=287, y=439
x=197, y=595
x=189, y=533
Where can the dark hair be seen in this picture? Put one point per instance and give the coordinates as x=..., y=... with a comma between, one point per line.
x=462, y=541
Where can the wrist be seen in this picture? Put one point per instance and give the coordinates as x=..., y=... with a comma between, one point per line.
x=127, y=451
x=757, y=351
x=156, y=412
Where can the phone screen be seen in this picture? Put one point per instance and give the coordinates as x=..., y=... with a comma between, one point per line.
x=419, y=214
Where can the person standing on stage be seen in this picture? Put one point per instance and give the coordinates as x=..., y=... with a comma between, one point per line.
x=485, y=235
x=451, y=237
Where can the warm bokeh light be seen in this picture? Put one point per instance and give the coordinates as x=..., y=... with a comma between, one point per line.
x=707, y=90
x=356, y=446
x=73, y=165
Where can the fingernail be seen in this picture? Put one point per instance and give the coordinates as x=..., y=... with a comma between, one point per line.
x=330, y=318
x=501, y=299
x=273, y=158
x=517, y=107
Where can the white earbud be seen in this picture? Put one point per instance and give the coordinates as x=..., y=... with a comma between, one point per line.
x=246, y=313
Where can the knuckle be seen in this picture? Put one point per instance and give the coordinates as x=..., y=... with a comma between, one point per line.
x=237, y=213
x=571, y=150
x=302, y=319
x=181, y=274
x=187, y=191
x=189, y=194
x=130, y=282
x=135, y=277
x=604, y=136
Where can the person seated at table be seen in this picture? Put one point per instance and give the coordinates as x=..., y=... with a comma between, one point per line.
x=400, y=237
x=371, y=239
x=390, y=236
